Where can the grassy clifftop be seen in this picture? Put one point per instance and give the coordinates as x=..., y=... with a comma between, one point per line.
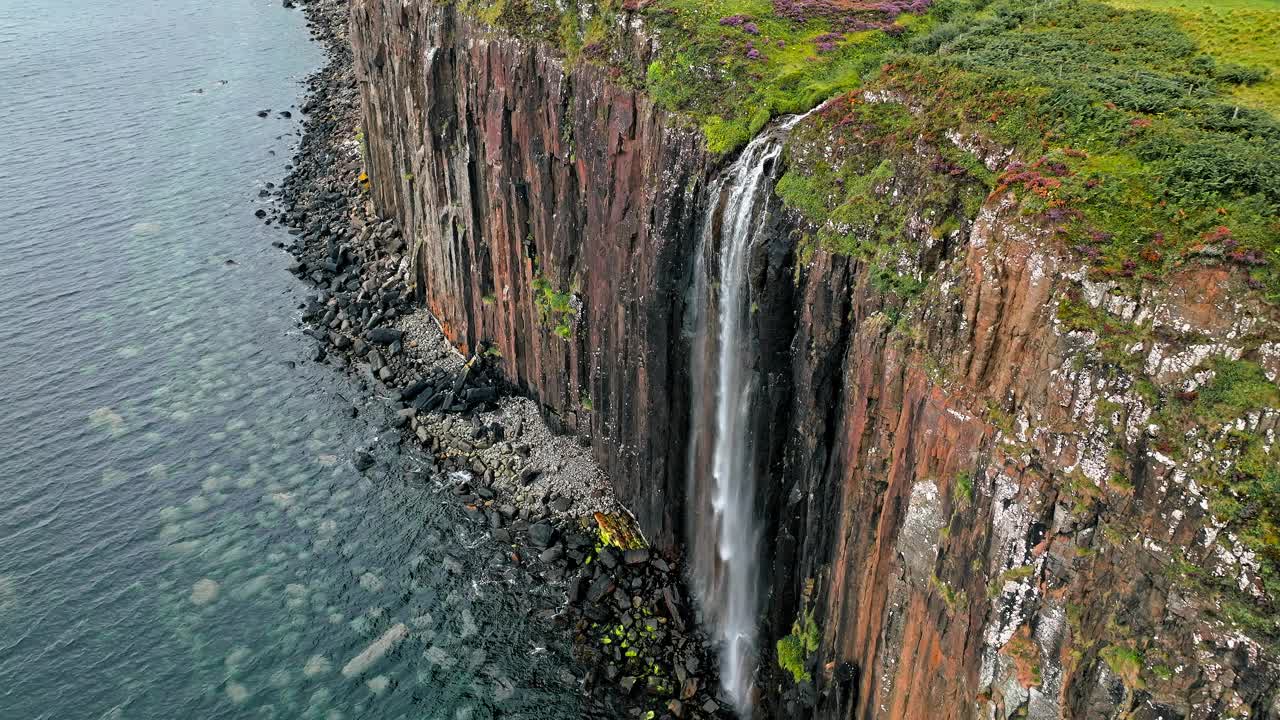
x=1243, y=31
x=1126, y=138
x=1144, y=130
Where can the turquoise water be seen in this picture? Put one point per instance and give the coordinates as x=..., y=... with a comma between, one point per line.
x=182, y=534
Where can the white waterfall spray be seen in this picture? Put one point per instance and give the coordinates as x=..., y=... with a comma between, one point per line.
x=723, y=521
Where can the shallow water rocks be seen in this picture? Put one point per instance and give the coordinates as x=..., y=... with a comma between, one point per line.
x=204, y=592
x=363, y=460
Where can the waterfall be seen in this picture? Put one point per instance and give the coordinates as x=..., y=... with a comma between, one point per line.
x=724, y=526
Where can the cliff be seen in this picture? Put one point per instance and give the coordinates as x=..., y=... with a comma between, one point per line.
x=1010, y=465
x=552, y=214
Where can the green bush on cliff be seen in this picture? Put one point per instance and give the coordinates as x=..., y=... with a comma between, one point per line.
x=795, y=649
x=555, y=308
x=1246, y=493
x=1126, y=663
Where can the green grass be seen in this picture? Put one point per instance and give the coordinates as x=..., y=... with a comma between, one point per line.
x=707, y=72
x=955, y=599
x=706, y=69
x=1013, y=574
x=1244, y=32
x=1126, y=663
x=963, y=491
x=1127, y=140
x=1133, y=148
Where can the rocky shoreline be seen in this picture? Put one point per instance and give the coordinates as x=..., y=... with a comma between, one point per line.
x=542, y=496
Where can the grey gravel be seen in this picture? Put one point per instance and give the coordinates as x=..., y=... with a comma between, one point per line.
x=560, y=466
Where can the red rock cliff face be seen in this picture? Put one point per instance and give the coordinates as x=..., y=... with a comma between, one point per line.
x=952, y=491
x=552, y=215
x=941, y=477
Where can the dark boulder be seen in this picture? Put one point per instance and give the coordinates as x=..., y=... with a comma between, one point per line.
x=600, y=587
x=384, y=336
x=541, y=534
x=363, y=460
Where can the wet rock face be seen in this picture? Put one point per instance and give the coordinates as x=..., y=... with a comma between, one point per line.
x=551, y=218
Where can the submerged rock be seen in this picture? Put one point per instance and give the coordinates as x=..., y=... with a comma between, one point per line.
x=204, y=592
x=372, y=654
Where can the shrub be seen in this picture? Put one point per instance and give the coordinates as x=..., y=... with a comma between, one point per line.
x=795, y=649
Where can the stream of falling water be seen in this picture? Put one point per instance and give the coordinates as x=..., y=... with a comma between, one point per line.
x=724, y=526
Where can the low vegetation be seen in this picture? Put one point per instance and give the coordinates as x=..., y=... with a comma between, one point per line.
x=1126, y=139
x=1126, y=663
x=796, y=648
x=555, y=308
x=1025, y=654
x=1243, y=31
x=743, y=62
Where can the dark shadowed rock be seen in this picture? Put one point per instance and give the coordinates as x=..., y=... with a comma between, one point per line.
x=384, y=336
x=600, y=588
x=540, y=534
x=609, y=557
x=576, y=590
x=363, y=460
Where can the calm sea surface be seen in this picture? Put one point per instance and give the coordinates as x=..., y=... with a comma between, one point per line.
x=182, y=534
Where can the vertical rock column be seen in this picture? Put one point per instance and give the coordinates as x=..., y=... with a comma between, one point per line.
x=553, y=218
